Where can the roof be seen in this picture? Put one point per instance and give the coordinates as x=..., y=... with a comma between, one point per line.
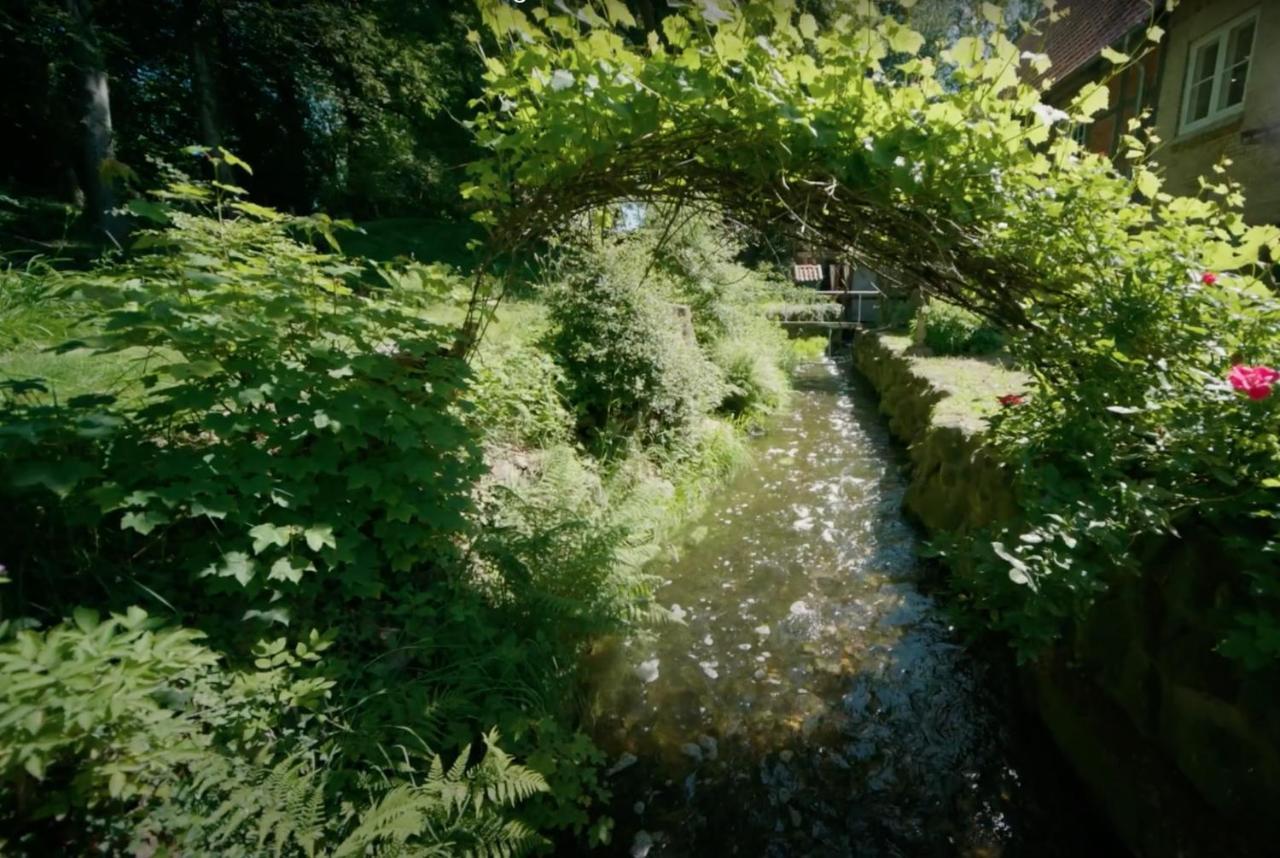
x=1090, y=26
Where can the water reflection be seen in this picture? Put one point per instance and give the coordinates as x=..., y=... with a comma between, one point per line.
x=812, y=701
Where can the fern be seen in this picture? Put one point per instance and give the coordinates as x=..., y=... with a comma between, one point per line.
x=456, y=811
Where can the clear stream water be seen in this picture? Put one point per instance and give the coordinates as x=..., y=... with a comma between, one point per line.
x=814, y=701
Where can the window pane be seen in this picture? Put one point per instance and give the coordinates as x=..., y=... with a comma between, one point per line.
x=1200, y=95
x=1240, y=43
x=1233, y=89
x=1206, y=62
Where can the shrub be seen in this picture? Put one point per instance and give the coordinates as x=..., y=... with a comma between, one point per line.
x=519, y=397
x=631, y=368
x=951, y=330
x=295, y=436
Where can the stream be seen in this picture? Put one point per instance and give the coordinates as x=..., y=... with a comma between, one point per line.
x=813, y=699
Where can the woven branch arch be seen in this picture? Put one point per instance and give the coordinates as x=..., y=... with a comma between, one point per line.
x=942, y=166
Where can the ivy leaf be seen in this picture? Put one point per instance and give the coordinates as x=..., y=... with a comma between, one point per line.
x=993, y=13
x=58, y=477
x=231, y=160
x=1155, y=34
x=618, y=13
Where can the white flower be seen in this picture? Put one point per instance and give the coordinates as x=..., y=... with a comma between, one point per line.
x=868, y=144
x=1049, y=115
x=899, y=161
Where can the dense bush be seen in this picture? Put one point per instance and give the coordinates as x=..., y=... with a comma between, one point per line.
x=951, y=330
x=631, y=364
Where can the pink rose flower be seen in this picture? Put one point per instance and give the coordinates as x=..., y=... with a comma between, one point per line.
x=1253, y=380
x=1208, y=278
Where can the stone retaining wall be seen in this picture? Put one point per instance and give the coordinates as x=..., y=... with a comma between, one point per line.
x=1178, y=745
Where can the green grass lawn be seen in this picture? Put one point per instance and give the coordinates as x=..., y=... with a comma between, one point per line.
x=971, y=384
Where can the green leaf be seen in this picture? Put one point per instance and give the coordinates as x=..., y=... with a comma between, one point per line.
x=808, y=26
x=1114, y=57
x=266, y=534
x=905, y=40
x=1148, y=183
x=319, y=536
x=232, y=160
x=86, y=619
x=154, y=212
x=993, y=13
x=283, y=569
x=1092, y=99
x=235, y=564
x=143, y=521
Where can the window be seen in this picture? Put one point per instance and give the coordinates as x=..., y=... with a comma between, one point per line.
x=1217, y=70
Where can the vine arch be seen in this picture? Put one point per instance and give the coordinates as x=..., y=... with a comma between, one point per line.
x=937, y=162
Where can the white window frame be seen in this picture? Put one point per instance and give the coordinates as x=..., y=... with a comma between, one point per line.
x=1220, y=36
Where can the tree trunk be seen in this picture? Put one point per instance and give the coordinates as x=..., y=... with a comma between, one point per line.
x=202, y=33
x=96, y=145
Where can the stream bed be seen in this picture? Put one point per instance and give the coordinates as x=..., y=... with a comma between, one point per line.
x=813, y=699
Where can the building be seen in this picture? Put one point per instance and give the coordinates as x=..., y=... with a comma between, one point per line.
x=1212, y=85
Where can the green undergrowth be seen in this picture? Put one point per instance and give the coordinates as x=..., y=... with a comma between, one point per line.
x=283, y=576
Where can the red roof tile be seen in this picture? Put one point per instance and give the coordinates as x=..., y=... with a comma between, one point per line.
x=1090, y=26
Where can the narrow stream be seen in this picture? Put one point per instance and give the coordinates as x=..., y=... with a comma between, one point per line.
x=814, y=701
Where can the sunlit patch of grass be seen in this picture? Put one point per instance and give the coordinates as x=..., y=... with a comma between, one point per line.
x=33, y=321
x=972, y=384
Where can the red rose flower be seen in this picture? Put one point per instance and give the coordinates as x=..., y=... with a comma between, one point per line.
x=1011, y=399
x=1208, y=278
x=1255, y=381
